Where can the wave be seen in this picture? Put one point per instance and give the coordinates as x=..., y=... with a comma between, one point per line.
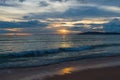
x=45, y=62
x=22, y=59
x=37, y=53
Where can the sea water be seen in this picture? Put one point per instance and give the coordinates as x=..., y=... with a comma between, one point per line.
x=48, y=49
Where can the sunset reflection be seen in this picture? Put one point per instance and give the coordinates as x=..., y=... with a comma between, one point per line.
x=67, y=70
x=66, y=42
x=65, y=45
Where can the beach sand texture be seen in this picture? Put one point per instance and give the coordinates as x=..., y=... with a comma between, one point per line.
x=91, y=69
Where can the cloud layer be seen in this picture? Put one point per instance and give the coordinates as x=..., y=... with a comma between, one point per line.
x=19, y=9
x=51, y=15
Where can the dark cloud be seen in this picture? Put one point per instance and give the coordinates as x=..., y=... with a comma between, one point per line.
x=81, y=29
x=89, y=12
x=43, y=3
x=60, y=0
x=3, y=31
x=105, y=2
x=3, y=1
x=112, y=26
x=35, y=23
x=69, y=0
x=22, y=0
x=8, y=3
x=73, y=13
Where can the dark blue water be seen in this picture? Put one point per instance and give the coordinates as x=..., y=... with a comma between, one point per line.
x=39, y=50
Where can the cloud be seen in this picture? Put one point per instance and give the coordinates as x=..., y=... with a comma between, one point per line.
x=105, y=2
x=22, y=28
x=10, y=3
x=83, y=25
x=83, y=12
x=22, y=9
x=43, y=4
x=112, y=26
x=32, y=15
x=22, y=0
x=111, y=8
x=34, y=23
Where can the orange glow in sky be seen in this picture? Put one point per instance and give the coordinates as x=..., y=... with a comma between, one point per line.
x=14, y=29
x=17, y=34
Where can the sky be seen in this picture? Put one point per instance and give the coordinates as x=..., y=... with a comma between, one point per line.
x=31, y=17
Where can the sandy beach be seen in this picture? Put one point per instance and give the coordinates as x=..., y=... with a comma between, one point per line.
x=91, y=69
x=109, y=73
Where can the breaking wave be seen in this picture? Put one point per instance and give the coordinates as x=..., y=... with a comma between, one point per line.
x=26, y=58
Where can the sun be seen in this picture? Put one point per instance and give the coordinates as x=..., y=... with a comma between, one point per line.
x=63, y=31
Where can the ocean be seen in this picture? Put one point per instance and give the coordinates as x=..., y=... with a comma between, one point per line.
x=48, y=49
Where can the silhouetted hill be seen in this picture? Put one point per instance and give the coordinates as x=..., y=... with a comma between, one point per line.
x=99, y=33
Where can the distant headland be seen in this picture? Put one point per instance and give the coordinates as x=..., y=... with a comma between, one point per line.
x=99, y=33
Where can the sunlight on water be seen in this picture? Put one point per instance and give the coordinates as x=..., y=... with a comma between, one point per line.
x=65, y=44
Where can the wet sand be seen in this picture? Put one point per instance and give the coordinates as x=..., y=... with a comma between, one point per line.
x=108, y=73
x=107, y=68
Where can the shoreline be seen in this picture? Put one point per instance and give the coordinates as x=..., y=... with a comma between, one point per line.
x=62, y=69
